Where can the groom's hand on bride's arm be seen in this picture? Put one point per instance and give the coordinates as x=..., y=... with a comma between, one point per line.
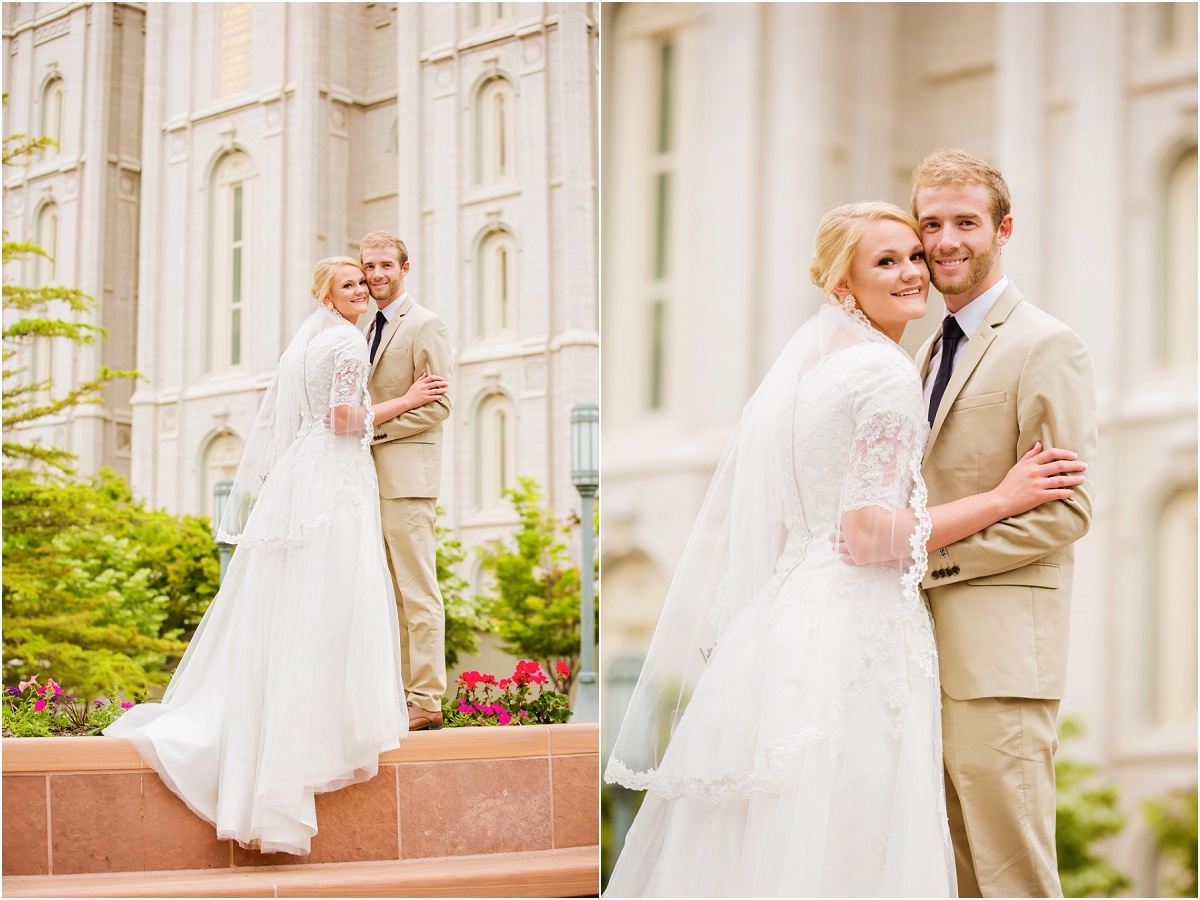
x=1056, y=405
x=433, y=355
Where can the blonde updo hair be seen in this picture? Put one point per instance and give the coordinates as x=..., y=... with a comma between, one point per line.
x=323, y=275
x=839, y=233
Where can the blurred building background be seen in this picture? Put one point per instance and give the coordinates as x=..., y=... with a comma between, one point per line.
x=729, y=129
x=210, y=153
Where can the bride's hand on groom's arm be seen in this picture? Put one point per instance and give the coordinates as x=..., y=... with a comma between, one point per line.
x=425, y=389
x=1039, y=477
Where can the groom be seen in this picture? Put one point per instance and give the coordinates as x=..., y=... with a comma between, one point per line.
x=999, y=376
x=407, y=341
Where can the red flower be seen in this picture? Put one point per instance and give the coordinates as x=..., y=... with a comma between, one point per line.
x=563, y=670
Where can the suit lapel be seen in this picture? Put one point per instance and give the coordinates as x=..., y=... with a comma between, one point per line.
x=976, y=347
x=392, y=327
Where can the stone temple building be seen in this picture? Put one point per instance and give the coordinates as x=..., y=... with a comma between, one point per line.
x=729, y=129
x=210, y=153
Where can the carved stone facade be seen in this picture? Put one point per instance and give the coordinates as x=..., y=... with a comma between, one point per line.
x=265, y=136
x=74, y=72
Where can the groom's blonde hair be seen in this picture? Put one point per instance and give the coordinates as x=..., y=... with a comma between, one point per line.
x=839, y=233
x=959, y=167
x=383, y=239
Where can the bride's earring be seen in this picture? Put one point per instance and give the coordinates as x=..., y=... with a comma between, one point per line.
x=848, y=304
x=328, y=304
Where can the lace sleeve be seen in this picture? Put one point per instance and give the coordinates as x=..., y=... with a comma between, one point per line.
x=879, y=472
x=882, y=510
x=349, y=388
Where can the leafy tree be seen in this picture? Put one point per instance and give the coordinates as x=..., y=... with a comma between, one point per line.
x=1173, y=821
x=98, y=591
x=534, y=603
x=463, y=619
x=25, y=401
x=1085, y=814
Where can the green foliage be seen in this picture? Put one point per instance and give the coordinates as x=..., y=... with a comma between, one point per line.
x=1173, y=821
x=26, y=402
x=1085, y=814
x=97, y=589
x=463, y=619
x=34, y=710
x=534, y=604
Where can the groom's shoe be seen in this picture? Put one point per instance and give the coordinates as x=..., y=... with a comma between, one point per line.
x=422, y=719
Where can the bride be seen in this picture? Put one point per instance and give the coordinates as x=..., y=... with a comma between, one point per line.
x=786, y=722
x=291, y=685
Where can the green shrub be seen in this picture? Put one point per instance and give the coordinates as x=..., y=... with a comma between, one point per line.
x=1173, y=821
x=1085, y=814
x=534, y=603
x=96, y=588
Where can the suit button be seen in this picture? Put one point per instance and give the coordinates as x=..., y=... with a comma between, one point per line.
x=954, y=571
x=937, y=573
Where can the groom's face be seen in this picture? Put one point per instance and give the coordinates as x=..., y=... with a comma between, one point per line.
x=385, y=275
x=962, y=244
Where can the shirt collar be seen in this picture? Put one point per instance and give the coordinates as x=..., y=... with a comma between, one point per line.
x=389, y=311
x=971, y=316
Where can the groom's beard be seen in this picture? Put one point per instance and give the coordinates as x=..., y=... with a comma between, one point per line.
x=978, y=266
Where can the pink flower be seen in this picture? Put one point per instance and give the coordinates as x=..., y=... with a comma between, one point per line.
x=40, y=705
x=50, y=683
x=126, y=706
x=505, y=718
x=31, y=681
x=41, y=689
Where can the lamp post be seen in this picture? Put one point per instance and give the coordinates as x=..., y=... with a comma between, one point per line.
x=585, y=474
x=221, y=492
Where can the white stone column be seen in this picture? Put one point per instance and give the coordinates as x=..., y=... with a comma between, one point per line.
x=147, y=424
x=1021, y=99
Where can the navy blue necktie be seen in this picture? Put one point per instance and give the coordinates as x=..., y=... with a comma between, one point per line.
x=952, y=333
x=380, y=324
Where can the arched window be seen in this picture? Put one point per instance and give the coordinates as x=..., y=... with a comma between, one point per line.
x=487, y=15
x=41, y=349
x=1178, y=336
x=495, y=451
x=494, y=132
x=496, y=281
x=229, y=290
x=53, y=99
x=1171, y=648
x=221, y=458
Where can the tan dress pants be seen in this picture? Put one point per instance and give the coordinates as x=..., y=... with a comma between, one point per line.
x=408, y=533
x=999, y=755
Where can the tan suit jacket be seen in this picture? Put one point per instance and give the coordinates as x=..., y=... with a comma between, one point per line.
x=1001, y=599
x=408, y=449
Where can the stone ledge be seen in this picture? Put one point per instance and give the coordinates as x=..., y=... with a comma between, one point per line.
x=88, y=806
x=548, y=873
x=105, y=754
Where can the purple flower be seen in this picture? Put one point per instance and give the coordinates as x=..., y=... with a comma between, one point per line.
x=99, y=702
x=12, y=692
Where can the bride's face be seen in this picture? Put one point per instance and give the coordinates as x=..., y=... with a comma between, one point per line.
x=888, y=276
x=348, y=292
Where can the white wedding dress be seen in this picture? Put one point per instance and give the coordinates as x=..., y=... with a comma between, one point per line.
x=291, y=685
x=805, y=755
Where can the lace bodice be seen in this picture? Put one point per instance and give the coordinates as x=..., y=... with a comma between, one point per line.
x=852, y=448
x=335, y=374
